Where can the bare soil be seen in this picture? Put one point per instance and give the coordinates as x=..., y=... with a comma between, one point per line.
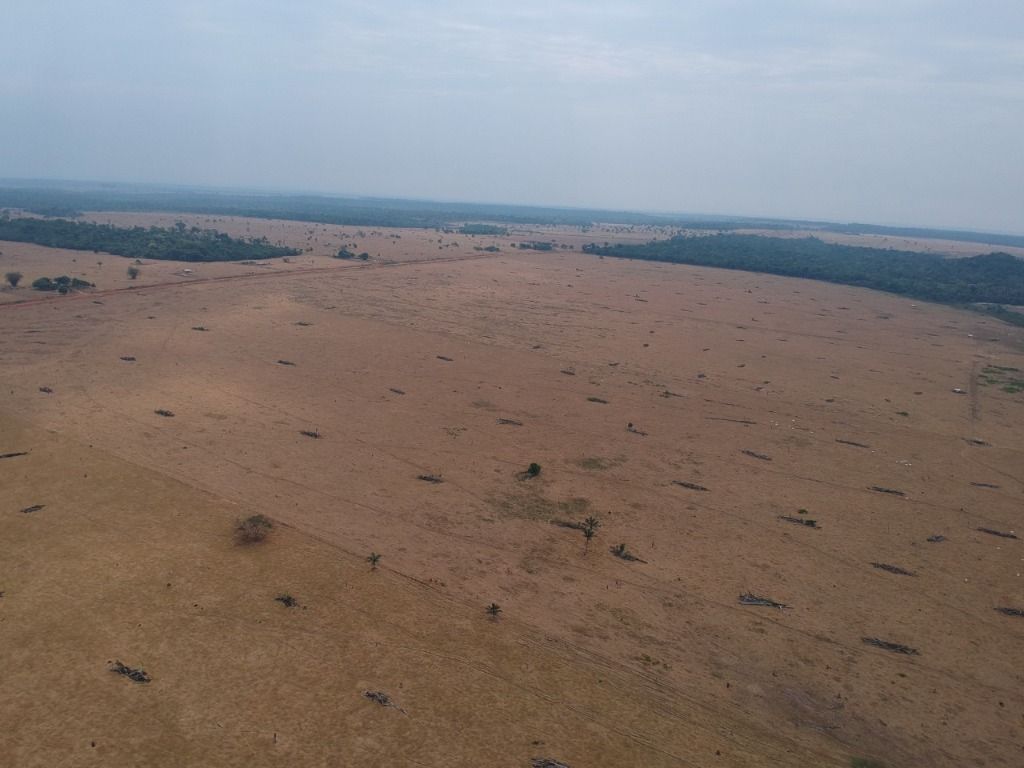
x=778, y=397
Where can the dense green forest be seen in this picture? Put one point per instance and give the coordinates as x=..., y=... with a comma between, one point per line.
x=179, y=243
x=992, y=278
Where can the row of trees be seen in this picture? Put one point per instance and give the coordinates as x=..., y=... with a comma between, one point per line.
x=996, y=278
x=482, y=229
x=57, y=283
x=179, y=243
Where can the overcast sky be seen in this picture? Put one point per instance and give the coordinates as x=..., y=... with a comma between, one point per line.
x=895, y=111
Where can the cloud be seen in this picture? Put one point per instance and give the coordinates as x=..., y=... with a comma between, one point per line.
x=735, y=105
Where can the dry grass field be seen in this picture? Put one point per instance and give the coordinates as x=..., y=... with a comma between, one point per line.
x=704, y=417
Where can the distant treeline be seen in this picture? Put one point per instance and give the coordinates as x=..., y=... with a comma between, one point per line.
x=992, y=278
x=49, y=198
x=179, y=243
x=482, y=229
x=958, y=235
x=325, y=209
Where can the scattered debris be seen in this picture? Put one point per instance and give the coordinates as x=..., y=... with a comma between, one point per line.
x=805, y=521
x=894, y=647
x=33, y=508
x=958, y=391
x=851, y=442
x=396, y=391
x=531, y=471
x=446, y=359
x=135, y=675
x=691, y=486
x=163, y=412
x=128, y=358
x=546, y=762
x=510, y=422
x=750, y=599
x=13, y=455
x=383, y=699
x=597, y=400
x=303, y=323
x=285, y=362
x=893, y=569
x=314, y=433
x=975, y=441
x=200, y=328
x=287, y=601
x=631, y=428
x=667, y=393
x=568, y=524
x=46, y=390
x=997, y=533
x=734, y=421
x=430, y=478
x=936, y=538
x=882, y=489
x=1011, y=611
x=620, y=551
x=569, y=371
x=984, y=485
x=760, y=456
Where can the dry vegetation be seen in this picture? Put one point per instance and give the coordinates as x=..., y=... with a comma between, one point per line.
x=807, y=555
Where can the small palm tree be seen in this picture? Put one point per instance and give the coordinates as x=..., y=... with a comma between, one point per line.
x=493, y=610
x=590, y=526
x=373, y=559
x=133, y=272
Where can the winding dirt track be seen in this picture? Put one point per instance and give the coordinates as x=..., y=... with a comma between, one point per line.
x=93, y=294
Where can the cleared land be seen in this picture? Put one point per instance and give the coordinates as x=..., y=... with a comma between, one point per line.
x=781, y=398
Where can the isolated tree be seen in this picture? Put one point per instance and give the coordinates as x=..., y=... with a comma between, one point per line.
x=373, y=559
x=133, y=272
x=590, y=526
x=13, y=278
x=493, y=610
x=533, y=470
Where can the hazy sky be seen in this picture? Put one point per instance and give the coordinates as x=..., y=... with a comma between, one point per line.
x=896, y=111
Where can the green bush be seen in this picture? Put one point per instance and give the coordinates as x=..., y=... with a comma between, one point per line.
x=253, y=529
x=62, y=283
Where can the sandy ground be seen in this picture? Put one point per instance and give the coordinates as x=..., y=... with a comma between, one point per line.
x=320, y=242
x=938, y=246
x=775, y=395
